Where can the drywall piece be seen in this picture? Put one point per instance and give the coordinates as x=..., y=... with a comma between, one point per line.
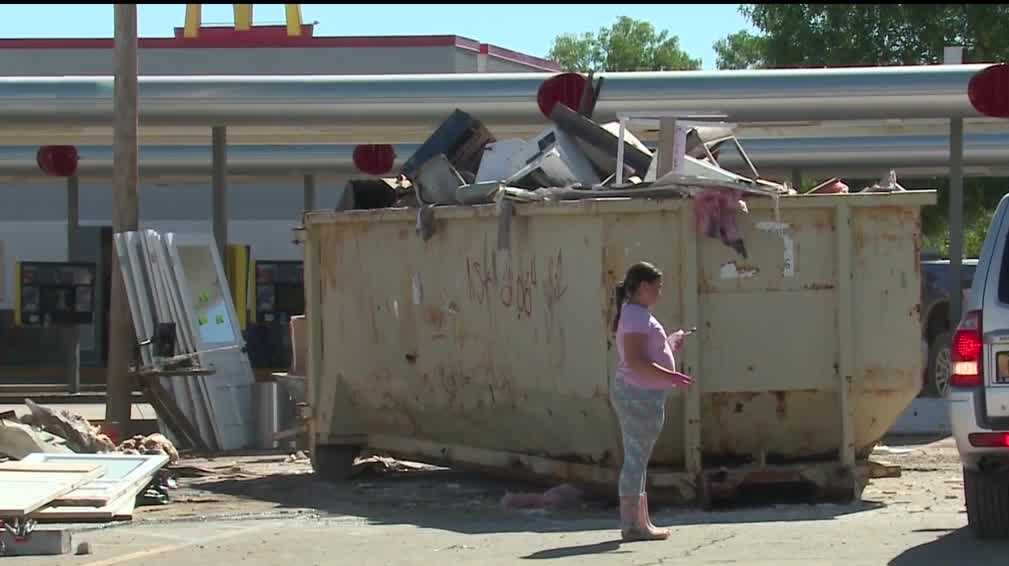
x=19, y=440
x=120, y=473
x=25, y=489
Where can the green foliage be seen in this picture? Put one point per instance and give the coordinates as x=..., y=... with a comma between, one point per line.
x=740, y=50
x=627, y=45
x=980, y=197
x=834, y=35
x=830, y=35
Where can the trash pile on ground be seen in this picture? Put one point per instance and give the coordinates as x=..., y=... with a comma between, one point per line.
x=55, y=467
x=564, y=496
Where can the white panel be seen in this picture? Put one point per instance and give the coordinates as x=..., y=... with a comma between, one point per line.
x=119, y=473
x=206, y=297
x=23, y=491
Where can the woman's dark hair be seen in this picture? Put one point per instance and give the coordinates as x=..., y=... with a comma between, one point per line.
x=641, y=272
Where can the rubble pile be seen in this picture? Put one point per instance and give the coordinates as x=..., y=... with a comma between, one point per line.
x=575, y=157
x=80, y=475
x=463, y=164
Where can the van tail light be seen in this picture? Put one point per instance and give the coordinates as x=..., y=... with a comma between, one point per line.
x=989, y=439
x=966, y=352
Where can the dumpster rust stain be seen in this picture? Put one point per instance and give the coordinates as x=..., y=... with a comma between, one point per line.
x=331, y=239
x=373, y=309
x=434, y=316
x=724, y=404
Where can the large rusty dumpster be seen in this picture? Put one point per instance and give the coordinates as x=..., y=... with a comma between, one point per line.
x=498, y=355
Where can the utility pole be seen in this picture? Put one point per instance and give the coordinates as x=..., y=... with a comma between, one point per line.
x=124, y=213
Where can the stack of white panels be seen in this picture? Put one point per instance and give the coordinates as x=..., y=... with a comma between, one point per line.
x=180, y=278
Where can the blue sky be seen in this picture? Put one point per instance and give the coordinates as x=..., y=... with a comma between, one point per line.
x=529, y=28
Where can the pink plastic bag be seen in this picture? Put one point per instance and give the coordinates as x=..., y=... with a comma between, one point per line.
x=716, y=217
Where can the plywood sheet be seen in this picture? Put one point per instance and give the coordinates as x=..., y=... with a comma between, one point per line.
x=23, y=490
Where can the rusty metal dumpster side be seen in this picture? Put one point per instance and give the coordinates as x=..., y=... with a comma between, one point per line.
x=453, y=350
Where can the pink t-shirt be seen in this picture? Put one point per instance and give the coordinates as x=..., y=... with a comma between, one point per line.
x=636, y=319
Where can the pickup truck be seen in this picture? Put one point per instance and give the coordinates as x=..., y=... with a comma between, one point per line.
x=936, y=327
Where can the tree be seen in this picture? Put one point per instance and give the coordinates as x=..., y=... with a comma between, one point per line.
x=830, y=35
x=627, y=45
x=740, y=50
x=835, y=35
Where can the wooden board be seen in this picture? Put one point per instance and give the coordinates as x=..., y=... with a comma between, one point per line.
x=25, y=490
x=120, y=509
x=122, y=472
x=50, y=467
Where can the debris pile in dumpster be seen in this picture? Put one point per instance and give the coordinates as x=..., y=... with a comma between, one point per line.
x=575, y=157
x=462, y=163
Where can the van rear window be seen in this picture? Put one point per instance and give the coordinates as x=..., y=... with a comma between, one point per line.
x=1003, y=275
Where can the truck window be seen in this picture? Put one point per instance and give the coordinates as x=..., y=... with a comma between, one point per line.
x=1003, y=275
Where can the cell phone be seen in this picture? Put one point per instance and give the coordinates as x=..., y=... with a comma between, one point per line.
x=692, y=330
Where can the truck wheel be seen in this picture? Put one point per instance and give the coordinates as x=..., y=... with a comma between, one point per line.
x=987, y=496
x=334, y=463
x=940, y=366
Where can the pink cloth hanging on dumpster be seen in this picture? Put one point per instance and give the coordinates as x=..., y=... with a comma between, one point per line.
x=716, y=217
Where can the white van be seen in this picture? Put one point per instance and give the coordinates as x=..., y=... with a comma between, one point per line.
x=979, y=385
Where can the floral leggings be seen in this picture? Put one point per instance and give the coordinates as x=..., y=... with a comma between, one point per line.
x=641, y=413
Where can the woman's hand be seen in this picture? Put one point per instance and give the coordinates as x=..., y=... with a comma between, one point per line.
x=676, y=339
x=681, y=379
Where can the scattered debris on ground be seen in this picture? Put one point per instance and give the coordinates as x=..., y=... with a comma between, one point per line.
x=564, y=496
x=80, y=435
x=153, y=444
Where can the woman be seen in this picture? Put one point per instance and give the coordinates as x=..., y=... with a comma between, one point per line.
x=646, y=372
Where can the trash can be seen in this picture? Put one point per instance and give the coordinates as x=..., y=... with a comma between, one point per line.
x=267, y=405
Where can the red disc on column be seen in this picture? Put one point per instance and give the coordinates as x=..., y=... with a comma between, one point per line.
x=57, y=160
x=988, y=91
x=374, y=159
x=566, y=88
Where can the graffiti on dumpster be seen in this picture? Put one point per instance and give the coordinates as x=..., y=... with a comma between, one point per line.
x=553, y=287
x=513, y=285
